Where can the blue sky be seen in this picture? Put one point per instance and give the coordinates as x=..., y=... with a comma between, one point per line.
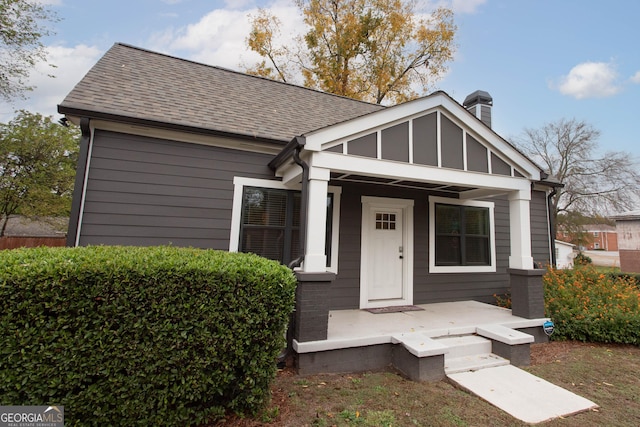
x=540, y=60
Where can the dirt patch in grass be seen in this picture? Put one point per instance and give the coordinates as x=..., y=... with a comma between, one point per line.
x=605, y=374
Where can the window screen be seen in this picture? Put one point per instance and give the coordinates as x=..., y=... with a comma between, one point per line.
x=271, y=223
x=462, y=235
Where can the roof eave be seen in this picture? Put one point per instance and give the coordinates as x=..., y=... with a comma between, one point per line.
x=287, y=152
x=98, y=115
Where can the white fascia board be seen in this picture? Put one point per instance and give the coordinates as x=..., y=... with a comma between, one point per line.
x=404, y=171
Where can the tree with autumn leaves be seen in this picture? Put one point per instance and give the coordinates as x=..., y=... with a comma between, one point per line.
x=371, y=50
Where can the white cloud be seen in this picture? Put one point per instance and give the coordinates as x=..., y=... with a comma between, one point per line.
x=466, y=6
x=458, y=6
x=636, y=78
x=238, y=4
x=49, y=2
x=590, y=80
x=72, y=63
x=218, y=38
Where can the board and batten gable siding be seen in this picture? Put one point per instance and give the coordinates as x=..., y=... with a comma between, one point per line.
x=146, y=191
x=428, y=287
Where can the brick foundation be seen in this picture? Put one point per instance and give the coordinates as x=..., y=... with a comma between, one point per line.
x=527, y=293
x=418, y=368
x=311, y=318
x=355, y=359
x=629, y=261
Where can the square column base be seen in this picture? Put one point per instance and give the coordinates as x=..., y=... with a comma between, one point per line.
x=527, y=293
x=312, y=306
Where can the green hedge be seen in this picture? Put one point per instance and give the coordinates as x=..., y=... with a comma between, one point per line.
x=627, y=276
x=140, y=336
x=587, y=305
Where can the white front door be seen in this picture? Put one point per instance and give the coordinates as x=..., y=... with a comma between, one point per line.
x=386, y=265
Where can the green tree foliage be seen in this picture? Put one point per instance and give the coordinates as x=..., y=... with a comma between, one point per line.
x=37, y=166
x=372, y=50
x=22, y=27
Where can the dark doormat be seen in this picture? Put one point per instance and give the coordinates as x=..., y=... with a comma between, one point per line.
x=393, y=309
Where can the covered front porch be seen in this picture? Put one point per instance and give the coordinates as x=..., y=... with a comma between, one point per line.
x=429, y=205
x=359, y=340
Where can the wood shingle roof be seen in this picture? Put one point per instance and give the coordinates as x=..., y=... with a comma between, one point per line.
x=133, y=84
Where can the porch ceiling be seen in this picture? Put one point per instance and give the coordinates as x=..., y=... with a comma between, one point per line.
x=438, y=187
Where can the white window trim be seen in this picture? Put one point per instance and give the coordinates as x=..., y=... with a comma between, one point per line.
x=236, y=216
x=433, y=268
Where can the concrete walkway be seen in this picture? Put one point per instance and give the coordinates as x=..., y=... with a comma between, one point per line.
x=522, y=395
x=604, y=258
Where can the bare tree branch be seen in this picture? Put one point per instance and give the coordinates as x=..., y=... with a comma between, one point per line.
x=593, y=184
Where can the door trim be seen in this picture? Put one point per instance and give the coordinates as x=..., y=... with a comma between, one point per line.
x=406, y=205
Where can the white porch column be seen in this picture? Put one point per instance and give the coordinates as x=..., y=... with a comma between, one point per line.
x=520, y=228
x=315, y=259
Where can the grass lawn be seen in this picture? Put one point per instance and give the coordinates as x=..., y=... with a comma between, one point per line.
x=609, y=375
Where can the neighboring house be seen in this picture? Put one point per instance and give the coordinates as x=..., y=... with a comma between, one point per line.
x=628, y=228
x=375, y=206
x=602, y=237
x=565, y=252
x=22, y=231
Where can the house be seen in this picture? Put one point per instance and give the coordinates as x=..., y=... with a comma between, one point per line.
x=565, y=252
x=602, y=237
x=415, y=206
x=628, y=229
x=21, y=231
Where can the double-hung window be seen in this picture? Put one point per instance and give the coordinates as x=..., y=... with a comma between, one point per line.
x=461, y=236
x=270, y=223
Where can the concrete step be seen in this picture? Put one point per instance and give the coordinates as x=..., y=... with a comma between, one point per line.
x=469, y=353
x=472, y=363
x=465, y=345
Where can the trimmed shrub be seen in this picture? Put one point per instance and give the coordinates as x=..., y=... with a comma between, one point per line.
x=635, y=277
x=582, y=259
x=140, y=336
x=589, y=306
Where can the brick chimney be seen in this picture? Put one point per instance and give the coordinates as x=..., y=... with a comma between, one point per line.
x=479, y=104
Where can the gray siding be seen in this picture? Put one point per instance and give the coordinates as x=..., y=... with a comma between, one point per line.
x=147, y=191
x=499, y=166
x=451, y=144
x=366, y=146
x=485, y=114
x=539, y=228
x=428, y=288
x=425, y=140
x=395, y=142
x=476, y=155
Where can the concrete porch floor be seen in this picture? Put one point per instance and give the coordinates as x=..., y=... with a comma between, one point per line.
x=359, y=328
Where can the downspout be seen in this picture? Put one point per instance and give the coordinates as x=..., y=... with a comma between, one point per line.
x=78, y=187
x=552, y=227
x=304, y=197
